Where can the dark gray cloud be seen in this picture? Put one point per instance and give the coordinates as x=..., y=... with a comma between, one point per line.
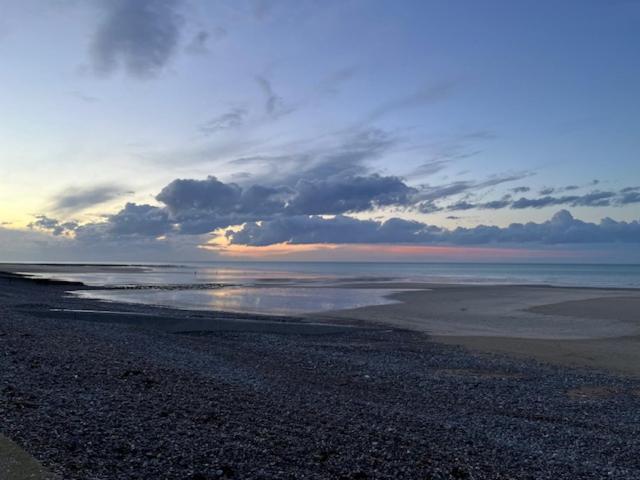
x=348, y=194
x=52, y=225
x=274, y=105
x=133, y=221
x=234, y=118
x=183, y=195
x=629, y=197
x=200, y=206
x=461, y=206
x=520, y=189
x=77, y=199
x=593, y=199
x=428, y=206
x=497, y=204
x=138, y=36
x=340, y=229
x=562, y=228
x=557, y=190
x=625, y=196
x=432, y=193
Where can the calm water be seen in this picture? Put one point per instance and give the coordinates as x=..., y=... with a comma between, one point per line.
x=294, y=287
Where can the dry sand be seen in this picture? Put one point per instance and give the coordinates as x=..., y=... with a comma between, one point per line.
x=572, y=326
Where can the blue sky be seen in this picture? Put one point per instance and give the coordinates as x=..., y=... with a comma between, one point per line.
x=444, y=115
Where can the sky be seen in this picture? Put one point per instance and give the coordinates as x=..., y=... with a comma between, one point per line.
x=169, y=130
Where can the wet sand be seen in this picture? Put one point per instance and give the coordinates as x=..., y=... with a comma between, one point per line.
x=584, y=327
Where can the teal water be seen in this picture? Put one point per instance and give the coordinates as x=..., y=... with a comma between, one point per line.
x=579, y=275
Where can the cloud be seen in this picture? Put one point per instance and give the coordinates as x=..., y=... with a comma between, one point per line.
x=133, y=221
x=200, y=206
x=198, y=44
x=322, y=193
x=625, y=196
x=77, y=199
x=628, y=198
x=520, y=189
x=498, y=204
x=593, y=199
x=274, y=104
x=427, y=95
x=461, y=206
x=138, y=36
x=348, y=155
x=562, y=228
x=232, y=119
x=348, y=194
x=432, y=193
x=52, y=225
x=184, y=195
x=430, y=168
x=340, y=229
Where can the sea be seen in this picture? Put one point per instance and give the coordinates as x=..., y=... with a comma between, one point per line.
x=304, y=287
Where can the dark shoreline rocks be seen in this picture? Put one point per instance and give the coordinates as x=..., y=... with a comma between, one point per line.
x=95, y=400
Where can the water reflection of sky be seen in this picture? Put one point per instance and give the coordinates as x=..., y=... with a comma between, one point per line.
x=266, y=300
x=186, y=275
x=305, y=274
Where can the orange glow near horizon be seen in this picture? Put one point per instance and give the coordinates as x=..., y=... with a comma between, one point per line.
x=382, y=251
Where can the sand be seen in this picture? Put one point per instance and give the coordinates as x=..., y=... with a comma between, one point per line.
x=16, y=464
x=584, y=327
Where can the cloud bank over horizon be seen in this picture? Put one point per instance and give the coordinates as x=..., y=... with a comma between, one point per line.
x=322, y=210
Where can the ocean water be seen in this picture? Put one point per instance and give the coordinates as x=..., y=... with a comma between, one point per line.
x=303, y=287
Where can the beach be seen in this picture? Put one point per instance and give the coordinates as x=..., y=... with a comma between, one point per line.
x=413, y=389
x=585, y=327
